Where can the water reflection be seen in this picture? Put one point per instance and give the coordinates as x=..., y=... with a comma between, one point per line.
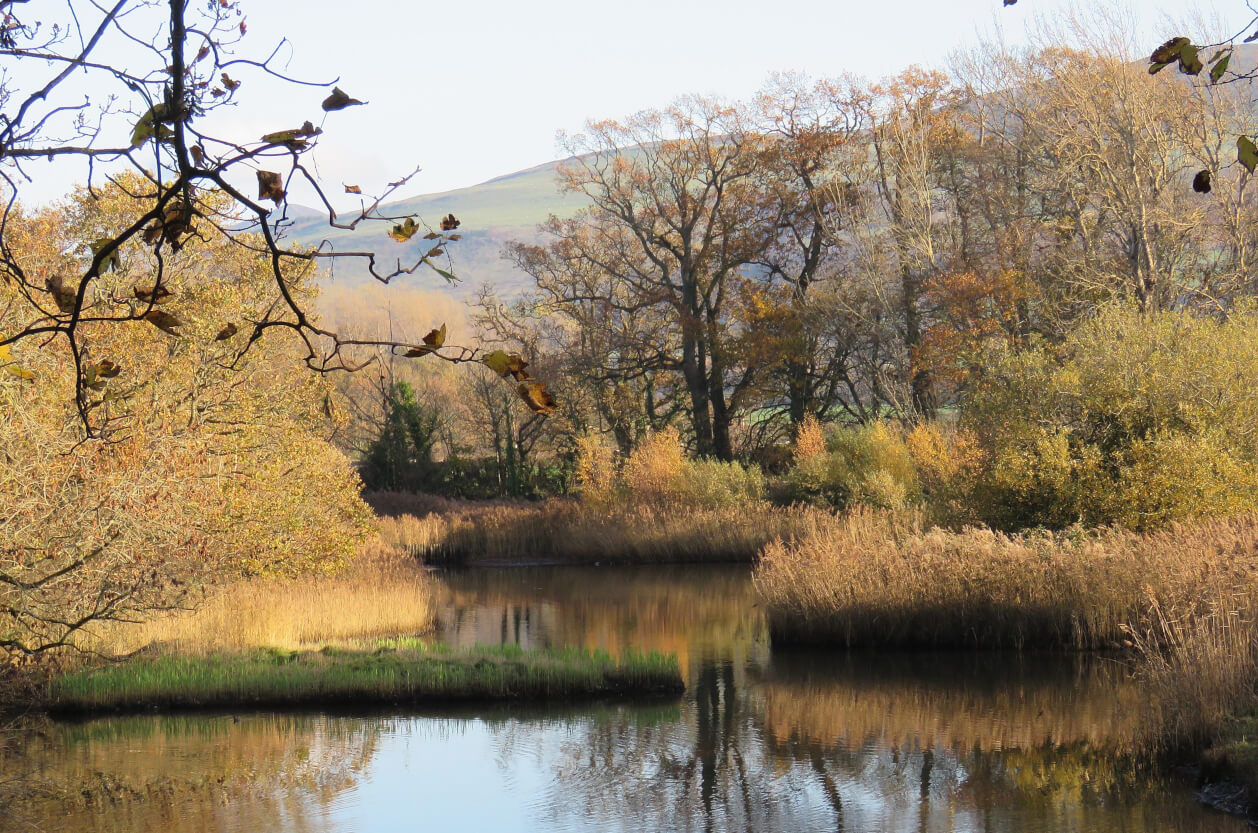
x=191, y=773
x=761, y=742
x=684, y=610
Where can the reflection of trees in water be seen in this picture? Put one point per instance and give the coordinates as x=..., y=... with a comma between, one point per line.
x=196, y=773
x=675, y=609
x=727, y=765
x=707, y=771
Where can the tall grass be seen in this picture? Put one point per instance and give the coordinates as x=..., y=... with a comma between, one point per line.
x=397, y=671
x=1199, y=668
x=384, y=592
x=875, y=579
x=567, y=531
x=655, y=506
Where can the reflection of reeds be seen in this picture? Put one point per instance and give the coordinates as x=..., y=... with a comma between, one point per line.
x=567, y=531
x=685, y=610
x=193, y=773
x=870, y=579
x=383, y=593
x=997, y=703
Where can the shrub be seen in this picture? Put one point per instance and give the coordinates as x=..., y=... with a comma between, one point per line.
x=868, y=464
x=1135, y=420
x=595, y=470
x=658, y=473
x=948, y=462
x=655, y=471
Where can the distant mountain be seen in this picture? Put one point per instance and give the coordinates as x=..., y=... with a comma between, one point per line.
x=503, y=209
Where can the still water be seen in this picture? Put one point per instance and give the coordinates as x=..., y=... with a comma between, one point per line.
x=762, y=740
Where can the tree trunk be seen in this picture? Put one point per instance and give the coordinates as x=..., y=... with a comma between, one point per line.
x=921, y=385
x=694, y=370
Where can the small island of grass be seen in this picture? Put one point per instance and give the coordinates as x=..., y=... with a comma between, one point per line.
x=396, y=671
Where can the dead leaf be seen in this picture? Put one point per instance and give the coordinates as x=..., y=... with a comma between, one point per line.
x=449, y=223
x=151, y=294
x=506, y=364
x=433, y=340
x=353, y=189
x=270, y=187
x=163, y=321
x=1169, y=51
x=294, y=139
x=227, y=332
x=404, y=231
x=63, y=296
x=537, y=397
x=339, y=100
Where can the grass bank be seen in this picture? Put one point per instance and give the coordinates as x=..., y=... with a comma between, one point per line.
x=395, y=671
x=564, y=531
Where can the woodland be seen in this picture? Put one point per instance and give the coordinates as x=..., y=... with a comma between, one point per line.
x=962, y=357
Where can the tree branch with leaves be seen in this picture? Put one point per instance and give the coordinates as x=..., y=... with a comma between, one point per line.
x=134, y=89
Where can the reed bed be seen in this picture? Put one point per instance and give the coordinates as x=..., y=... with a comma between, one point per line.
x=1200, y=669
x=567, y=531
x=872, y=579
x=384, y=592
x=396, y=671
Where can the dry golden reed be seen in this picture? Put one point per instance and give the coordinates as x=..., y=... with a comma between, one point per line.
x=1199, y=663
x=567, y=531
x=880, y=579
x=383, y=593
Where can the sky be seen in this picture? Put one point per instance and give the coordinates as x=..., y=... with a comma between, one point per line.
x=476, y=89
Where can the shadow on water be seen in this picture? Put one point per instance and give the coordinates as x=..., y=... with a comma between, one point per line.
x=762, y=741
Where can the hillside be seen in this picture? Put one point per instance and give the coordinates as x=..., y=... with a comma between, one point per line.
x=505, y=208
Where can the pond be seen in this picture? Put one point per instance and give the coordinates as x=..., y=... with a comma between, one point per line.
x=762, y=741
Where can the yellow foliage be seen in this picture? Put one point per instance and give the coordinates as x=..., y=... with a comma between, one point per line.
x=654, y=472
x=868, y=464
x=1136, y=420
x=810, y=440
x=212, y=471
x=595, y=470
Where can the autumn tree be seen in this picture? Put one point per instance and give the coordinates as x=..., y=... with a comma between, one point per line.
x=157, y=435
x=672, y=220
x=97, y=86
x=217, y=467
x=813, y=159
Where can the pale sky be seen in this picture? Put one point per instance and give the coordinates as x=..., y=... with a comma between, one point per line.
x=476, y=89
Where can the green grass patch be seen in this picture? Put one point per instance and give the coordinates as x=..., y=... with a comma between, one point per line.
x=395, y=672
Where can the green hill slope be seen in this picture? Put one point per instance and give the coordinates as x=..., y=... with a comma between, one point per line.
x=503, y=209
